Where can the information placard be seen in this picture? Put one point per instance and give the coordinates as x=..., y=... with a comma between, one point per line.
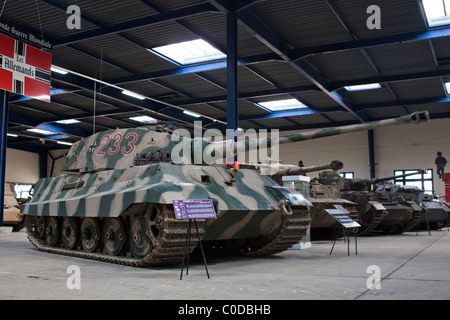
x=341, y=215
x=194, y=209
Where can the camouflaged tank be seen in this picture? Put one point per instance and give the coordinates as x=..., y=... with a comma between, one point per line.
x=11, y=212
x=377, y=211
x=116, y=202
x=322, y=197
x=435, y=214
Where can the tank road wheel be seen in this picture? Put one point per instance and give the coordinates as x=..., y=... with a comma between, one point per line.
x=52, y=232
x=70, y=233
x=90, y=234
x=140, y=243
x=114, y=237
x=155, y=222
x=40, y=227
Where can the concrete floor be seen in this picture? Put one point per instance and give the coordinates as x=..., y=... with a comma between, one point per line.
x=411, y=266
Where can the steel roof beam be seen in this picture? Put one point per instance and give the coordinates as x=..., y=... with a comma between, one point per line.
x=391, y=78
x=135, y=24
x=302, y=53
x=264, y=33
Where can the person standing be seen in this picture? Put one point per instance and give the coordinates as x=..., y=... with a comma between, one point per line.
x=440, y=163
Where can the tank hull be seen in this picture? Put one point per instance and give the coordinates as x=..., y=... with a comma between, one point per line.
x=382, y=212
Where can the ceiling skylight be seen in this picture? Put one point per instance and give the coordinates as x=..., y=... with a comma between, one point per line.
x=190, y=52
x=144, y=119
x=447, y=87
x=437, y=12
x=281, y=105
x=369, y=86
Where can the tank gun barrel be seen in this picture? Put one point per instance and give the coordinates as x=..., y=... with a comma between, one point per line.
x=361, y=184
x=334, y=165
x=250, y=144
x=415, y=117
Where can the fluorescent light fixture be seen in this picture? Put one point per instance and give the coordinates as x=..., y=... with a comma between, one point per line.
x=12, y=135
x=360, y=87
x=437, y=12
x=132, y=94
x=70, y=121
x=281, y=105
x=447, y=87
x=144, y=119
x=64, y=143
x=192, y=114
x=58, y=70
x=40, y=131
x=189, y=52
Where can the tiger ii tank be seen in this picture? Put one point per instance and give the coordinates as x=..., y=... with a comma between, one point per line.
x=115, y=203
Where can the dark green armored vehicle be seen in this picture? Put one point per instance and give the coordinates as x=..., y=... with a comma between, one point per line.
x=380, y=211
x=435, y=214
x=115, y=203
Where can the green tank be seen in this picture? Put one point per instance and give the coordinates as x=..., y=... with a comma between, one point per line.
x=435, y=214
x=115, y=203
x=377, y=211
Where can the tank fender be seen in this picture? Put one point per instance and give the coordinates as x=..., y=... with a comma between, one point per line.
x=168, y=191
x=293, y=198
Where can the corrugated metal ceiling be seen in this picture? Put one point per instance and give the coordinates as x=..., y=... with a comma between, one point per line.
x=340, y=50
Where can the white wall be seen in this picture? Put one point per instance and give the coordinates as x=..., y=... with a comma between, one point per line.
x=397, y=147
x=21, y=166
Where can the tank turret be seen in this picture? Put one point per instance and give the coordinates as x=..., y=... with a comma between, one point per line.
x=364, y=184
x=124, y=148
x=277, y=174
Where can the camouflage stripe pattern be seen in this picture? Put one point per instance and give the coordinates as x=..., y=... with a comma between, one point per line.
x=250, y=201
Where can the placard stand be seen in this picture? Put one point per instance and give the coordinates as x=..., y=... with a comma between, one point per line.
x=191, y=210
x=187, y=248
x=341, y=215
x=346, y=233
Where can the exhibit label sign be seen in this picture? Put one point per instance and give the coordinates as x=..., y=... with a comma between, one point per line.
x=24, y=70
x=194, y=209
x=341, y=215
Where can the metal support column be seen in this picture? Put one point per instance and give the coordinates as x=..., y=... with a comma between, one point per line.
x=43, y=167
x=371, y=154
x=232, y=65
x=4, y=100
x=232, y=86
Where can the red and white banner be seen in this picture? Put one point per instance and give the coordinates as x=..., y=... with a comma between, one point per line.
x=24, y=69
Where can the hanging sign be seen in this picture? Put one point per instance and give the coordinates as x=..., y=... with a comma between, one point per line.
x=24, y=69
x=194, y=209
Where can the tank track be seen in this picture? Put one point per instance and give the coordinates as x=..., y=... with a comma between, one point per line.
x=377, y=217
x=415, y=221
x=169, y=249
x=293, y=229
